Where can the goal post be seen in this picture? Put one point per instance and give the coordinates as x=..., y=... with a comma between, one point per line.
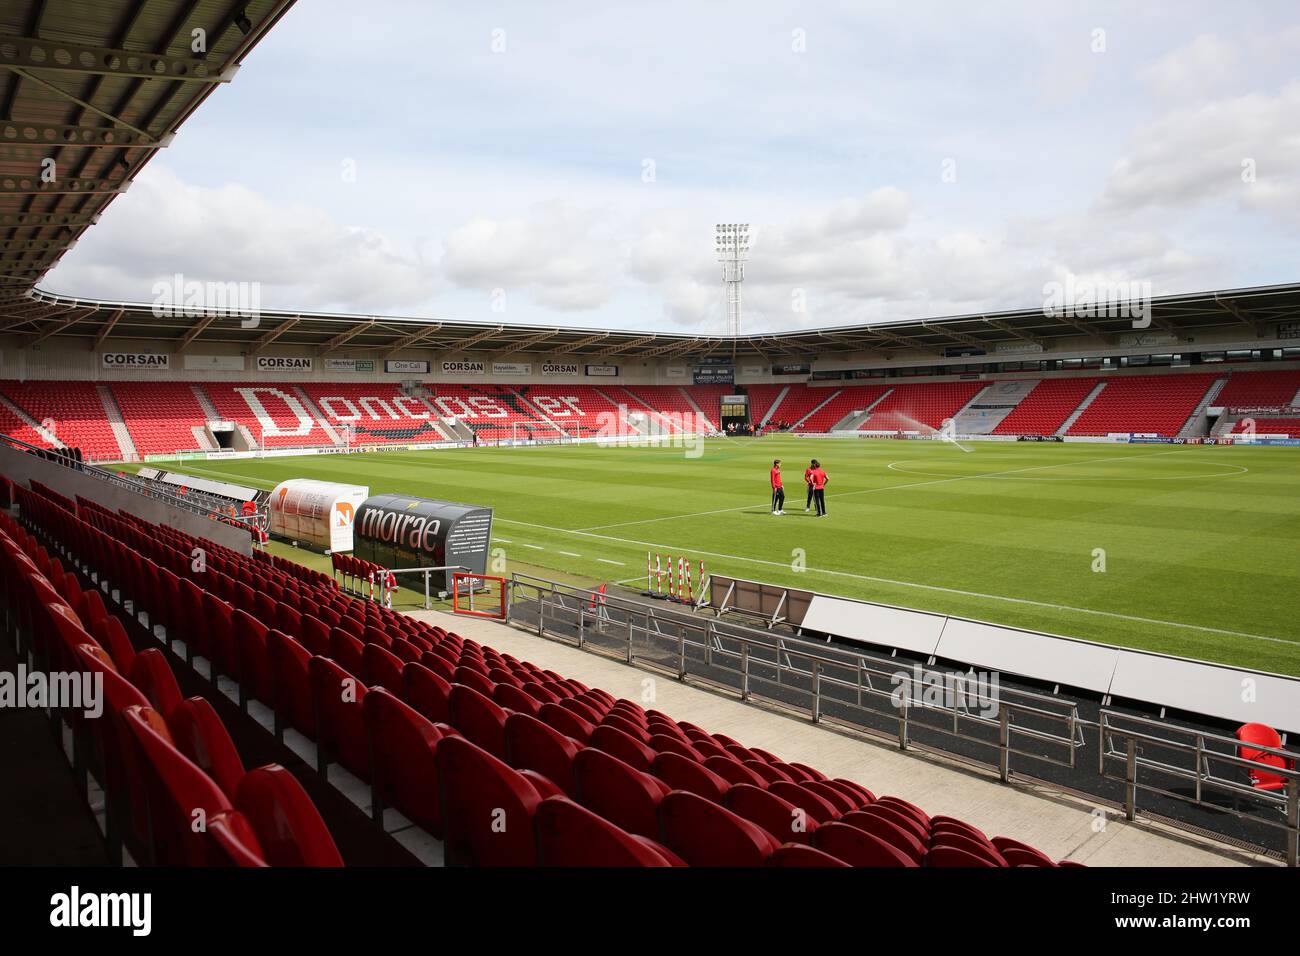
x=478, y=595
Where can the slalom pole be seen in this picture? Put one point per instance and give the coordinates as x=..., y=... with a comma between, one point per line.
x=690, y=590
x=649, y=581
x=659, y=574
x=701, y=580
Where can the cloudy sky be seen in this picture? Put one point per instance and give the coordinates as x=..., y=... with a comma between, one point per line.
x=565, y=163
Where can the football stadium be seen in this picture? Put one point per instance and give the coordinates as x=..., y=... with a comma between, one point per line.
x=311, y=587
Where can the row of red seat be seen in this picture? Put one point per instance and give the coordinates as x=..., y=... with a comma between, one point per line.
x=386, y=695
x=148, y=742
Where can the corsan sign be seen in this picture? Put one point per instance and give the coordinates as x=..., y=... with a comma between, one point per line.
x=270, y=363
x=462, y=368
x=136, y=360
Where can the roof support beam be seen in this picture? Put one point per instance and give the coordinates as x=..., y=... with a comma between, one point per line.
x=1016, y=333
x=195, y=331
x=31, y=53
x=107, y=327
x=478, y=337
x=269, y=337
x=344, y=337
x=55, y=328
x=528, y=343
x=408, y=340
x=580, y=343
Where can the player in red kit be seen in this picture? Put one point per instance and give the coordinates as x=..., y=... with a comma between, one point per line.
x=819, y=481
x=807, y=480
x=778, y=489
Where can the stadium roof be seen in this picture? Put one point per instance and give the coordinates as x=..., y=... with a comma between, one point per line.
x=89, y=92
x=41, y=315
x=100, y=87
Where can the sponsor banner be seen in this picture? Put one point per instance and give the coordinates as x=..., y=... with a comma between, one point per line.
x=283, y=363
x=1288, y=330
x=349, y=365
x=791, y=369
x=397, y=531
x=147, y=361
x=214, y=363
x=1142, y=340
x=559, y=368
x=1016, y=348
x=512, y=368
x=602, y=371
x=675, y=371
x=751, y=371
x=715, y=375
x=456, y=368
x=713, y=360
x=963, y=351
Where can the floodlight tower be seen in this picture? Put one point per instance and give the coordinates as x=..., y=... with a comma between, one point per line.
x=732, y=241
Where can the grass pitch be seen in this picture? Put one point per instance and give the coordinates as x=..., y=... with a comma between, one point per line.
x=1200, y=544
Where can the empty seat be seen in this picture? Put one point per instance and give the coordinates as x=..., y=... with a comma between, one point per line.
x=479, y=718
x=858, y=847
x=571, y=835
x=707, y=834
x=621, y=794
x=799, y=855
x=338, y=699
x=200, y=735
x=289, y=828
x=403, y=744
x=533, y=745
x=488, y=807
x=682, y=773
x=781, y=818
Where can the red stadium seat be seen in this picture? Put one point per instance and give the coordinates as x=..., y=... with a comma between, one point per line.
x=786, y=822
x=404, y=774
x=799, y=855
x=571, y=835
x=488, y=807
x=858, y=847
x=621, y=794
x=200, y=735
x=338, y=700
x=682, y=773
x=289, y=828
x=479, y=718
x=533, y=745
x=707, y=834
x=150, y=673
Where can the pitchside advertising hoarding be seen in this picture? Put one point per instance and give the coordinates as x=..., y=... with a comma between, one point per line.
x=397, y=531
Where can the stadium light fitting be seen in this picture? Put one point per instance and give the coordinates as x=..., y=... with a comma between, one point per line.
x=731, y=242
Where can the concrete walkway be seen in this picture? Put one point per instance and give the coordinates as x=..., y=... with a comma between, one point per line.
x=1061, y=825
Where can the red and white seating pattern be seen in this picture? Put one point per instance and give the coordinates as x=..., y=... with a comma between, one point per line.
x=851, y=399
x=273, y=413
x=376, y=413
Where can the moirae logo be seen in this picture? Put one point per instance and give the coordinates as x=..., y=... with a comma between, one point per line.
x=95, y=910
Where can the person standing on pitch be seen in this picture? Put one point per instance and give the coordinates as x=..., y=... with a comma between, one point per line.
x=819, y=482
x=807, y=480
x=778, y=489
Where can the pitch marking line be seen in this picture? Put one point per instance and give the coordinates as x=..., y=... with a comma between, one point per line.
x=570, y=554
x=869, y=491
x=911, y=584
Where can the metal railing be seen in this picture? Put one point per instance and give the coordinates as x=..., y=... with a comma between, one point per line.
x=886, y=699
x=832, y=686
x=1155, y=757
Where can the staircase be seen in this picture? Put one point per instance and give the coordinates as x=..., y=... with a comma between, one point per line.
x=1198, y=422
x=627, y=420
x=205, y=403
x=776, y=403
x=32, y=423
x=989, y=407
x=795, y=425
x=854, y=421
x=536, y=412
x=203, y=438
x=706, y=419
x=1083, y=407
x=125, y=444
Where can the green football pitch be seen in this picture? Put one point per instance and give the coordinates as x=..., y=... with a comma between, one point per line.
x=1188, y=550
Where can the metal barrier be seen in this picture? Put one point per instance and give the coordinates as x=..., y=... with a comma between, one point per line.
x=838, y=687
x=881, y=698
x=1150, y=756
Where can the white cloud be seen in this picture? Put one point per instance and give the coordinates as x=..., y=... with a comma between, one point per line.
x=1205, y=66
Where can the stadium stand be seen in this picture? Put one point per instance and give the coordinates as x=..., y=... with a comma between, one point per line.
x=273, y=414
x=378, y=413
x=75, y=411
x=1146, y=404
x=851, y=399
x=1046, y=407
x=1260, y=389
x=579, y=410
x=917, y=405
x=799, y=401
x=438, y=712
x=492, y=411
x=1270, y=426
x=161, y=416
